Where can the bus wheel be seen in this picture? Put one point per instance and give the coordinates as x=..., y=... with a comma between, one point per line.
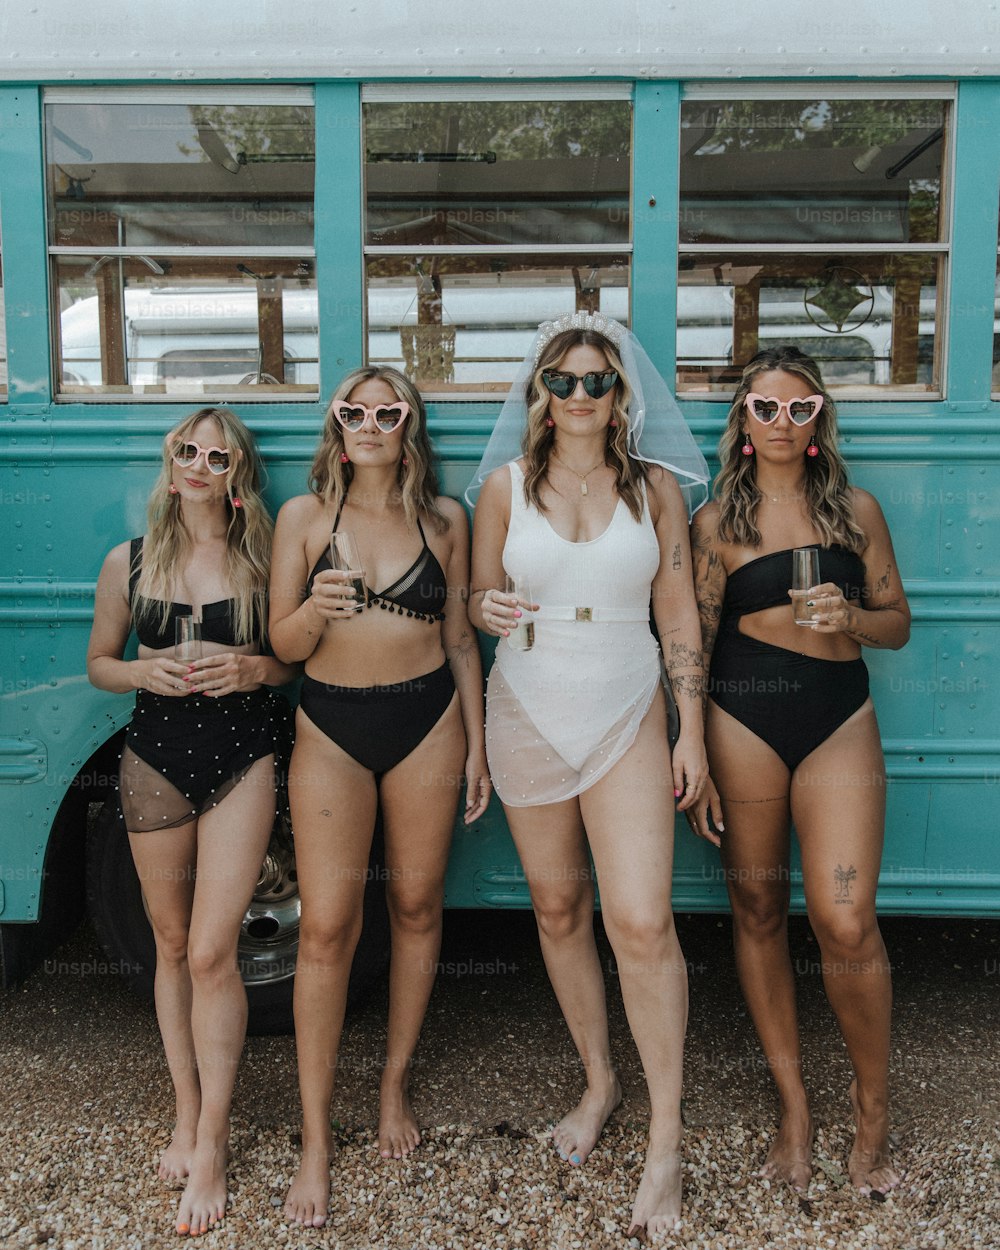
x=269, y=935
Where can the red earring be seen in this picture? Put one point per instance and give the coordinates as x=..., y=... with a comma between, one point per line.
x=405, y=462
x=549, y=422
x=613, y=424
x=345, y=458
x=747, y=446
x=172, y=489
x=812, y=449
x=237, y=502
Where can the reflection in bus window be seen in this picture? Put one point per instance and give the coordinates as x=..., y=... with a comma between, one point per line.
x=177, y=225
x=773, y=195
x=179, y=338
x=483, y=217
x=458, y=329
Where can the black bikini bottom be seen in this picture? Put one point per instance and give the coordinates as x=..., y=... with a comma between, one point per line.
x=182, y=756
x=792, y=702
x=379, y=725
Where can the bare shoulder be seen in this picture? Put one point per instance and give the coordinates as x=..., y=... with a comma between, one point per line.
x=705, y=523
x=118, y=561
x=867, y=511
x=496, y=489
x=452, y=511
x=301, y=510
x=663, y=491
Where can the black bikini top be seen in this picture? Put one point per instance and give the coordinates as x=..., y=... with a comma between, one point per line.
x=765, y=582
x=218, y=620
x=421, y=592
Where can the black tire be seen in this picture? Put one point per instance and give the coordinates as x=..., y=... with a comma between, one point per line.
x=268, y=943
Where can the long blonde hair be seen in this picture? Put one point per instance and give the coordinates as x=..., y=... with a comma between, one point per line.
x=538, y=439
x=248, y=538
x=827, y=492
x=330, y=478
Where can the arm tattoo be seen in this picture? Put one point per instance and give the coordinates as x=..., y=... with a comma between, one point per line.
x=676, y=561
x=463, y=649
x=690, y=685
x=682, y=656
x=883, y=581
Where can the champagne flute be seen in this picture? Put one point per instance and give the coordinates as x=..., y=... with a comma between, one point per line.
x=522, y=636
x=187, y=639
x=805, y=575
x=344, y=558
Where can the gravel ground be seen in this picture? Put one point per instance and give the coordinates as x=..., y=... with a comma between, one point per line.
x=85, y=1108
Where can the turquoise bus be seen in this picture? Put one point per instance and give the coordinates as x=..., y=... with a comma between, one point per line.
x=242, y=211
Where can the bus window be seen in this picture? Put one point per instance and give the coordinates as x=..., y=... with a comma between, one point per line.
x=485, y=216
x=181, y=207
x=817, y=215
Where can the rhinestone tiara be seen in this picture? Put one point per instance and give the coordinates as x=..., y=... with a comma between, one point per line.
x=614, y=331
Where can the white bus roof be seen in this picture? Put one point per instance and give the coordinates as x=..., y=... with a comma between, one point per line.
x=173, y=41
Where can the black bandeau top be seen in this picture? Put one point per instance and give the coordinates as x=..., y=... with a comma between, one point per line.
x=218, y=620
x=765, y=582
x=421, y=592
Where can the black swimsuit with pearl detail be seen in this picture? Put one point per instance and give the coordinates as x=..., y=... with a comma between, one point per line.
x=183, y=755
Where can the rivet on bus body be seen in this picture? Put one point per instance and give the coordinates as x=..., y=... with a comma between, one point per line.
x=652, y=201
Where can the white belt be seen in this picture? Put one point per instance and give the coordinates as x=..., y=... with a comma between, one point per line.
x=547, y=613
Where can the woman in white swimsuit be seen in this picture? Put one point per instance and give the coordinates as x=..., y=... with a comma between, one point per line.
x=576, y=726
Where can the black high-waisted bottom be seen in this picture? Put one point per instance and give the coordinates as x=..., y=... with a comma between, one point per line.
x=793, y=702
x=182, y=756
x=379, y=725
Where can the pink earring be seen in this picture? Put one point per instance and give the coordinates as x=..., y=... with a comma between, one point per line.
x=405, y=461
x=549, y=422
x=345, y=458
x=812, y=449
x=747, y=446
x=613, y=424
x=172, y=489
x=237, y=502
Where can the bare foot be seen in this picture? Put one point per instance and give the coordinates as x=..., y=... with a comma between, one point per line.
x=309, y=1194
x=203, y=1202
x=869, y=1166
x=657, y=1207
x=576, y=1134
x=790, y=1156
x=175, y=1162
x=398, y=1131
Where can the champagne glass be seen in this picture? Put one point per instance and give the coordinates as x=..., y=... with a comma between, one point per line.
x=805, y=575
x=344, y=557
x=187, y=639
x=522, y=636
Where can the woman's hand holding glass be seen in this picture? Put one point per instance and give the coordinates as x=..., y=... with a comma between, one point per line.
x=830, y=612
x=228, y=672
x=333, y=594
x=161, y=674
x=502, y=611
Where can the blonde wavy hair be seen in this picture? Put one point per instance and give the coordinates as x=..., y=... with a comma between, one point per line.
x=248, y=538
x=330, y=479
x=539, y=438
x=827, y=493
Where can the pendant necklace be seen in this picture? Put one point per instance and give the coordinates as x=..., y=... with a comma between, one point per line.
x=582, y=476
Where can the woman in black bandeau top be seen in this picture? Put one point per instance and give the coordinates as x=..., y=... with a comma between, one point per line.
x=792, y=736
x=391, y=713
x=198, y=765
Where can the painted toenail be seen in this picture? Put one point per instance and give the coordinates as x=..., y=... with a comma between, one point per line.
x=574, y=1158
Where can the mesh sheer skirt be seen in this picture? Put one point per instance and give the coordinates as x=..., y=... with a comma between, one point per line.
x=182, y=756
x=560, y=716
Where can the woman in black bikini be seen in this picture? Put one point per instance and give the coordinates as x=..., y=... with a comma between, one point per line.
x=391, y=712
x=197, y=769
x=791, y=734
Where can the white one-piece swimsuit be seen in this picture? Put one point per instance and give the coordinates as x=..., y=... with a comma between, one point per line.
x=560, y=715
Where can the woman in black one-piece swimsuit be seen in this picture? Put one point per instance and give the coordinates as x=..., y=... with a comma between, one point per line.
x=791, y=735
x=391, y=714
x=197, y=769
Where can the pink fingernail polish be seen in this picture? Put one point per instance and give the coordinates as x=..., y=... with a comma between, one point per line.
x=678, y=793
x=518, y=612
